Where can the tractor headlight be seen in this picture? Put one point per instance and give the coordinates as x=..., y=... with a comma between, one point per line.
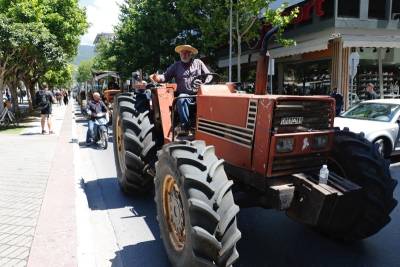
x=320, y=141
x=284, y=145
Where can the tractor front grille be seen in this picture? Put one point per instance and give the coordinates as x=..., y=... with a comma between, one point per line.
x=302, y=116
x=291, y=164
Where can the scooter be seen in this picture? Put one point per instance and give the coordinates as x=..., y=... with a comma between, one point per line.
x=101, y=133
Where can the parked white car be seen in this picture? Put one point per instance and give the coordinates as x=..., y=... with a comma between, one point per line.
x=378, y=119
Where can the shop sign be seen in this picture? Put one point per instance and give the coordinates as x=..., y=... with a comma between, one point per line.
x=305, y=11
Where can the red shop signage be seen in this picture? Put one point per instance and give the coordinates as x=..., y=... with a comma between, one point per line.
x=305, y=10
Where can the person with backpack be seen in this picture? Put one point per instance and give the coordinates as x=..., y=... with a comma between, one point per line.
x=45, y=99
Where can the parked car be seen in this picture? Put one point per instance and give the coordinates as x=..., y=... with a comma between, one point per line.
x=378, y=119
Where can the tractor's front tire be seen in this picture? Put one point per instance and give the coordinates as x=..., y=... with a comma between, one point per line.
x=195, y=207
x=359, y=161
x=134, y=145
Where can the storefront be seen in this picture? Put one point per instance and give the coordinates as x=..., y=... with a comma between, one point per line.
x=342, y=44
x=357, y=44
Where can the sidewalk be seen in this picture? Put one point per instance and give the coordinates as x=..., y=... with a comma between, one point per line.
x=37, y=195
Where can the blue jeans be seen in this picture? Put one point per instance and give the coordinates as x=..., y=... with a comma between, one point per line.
x=92, y=129
x=182, y=105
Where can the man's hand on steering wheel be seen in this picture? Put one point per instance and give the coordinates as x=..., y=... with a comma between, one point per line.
x=202, y=79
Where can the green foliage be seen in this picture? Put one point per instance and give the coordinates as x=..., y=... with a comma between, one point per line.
x=38, y=37
x=105, y=58
x=84, y=71
x=59, y=78
x=67, y=22
x=150, y=29
x=146, y=35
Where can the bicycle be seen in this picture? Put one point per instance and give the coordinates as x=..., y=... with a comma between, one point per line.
x=7, y=117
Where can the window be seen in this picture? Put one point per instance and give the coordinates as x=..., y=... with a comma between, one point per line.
x=396, y=9
x=349, y=9
x=377, y=9
x=328, y=7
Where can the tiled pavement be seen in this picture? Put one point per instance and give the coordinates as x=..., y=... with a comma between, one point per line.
x=25, y=163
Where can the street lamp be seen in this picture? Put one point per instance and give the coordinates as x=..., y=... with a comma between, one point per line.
x=230, y=41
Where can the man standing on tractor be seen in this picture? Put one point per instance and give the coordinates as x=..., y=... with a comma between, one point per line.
x=184, y=72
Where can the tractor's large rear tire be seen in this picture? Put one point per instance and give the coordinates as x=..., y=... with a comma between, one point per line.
x=359, y=161
x=134, y=145
x=195, y=207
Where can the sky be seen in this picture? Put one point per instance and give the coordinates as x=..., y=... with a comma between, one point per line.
x=102, y=16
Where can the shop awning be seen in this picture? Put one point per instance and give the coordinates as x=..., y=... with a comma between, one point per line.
x=371, y=41
x=300, y=48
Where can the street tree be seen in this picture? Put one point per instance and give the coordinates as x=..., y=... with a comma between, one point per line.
x=146, y=35
x=84, y=71
x=60, y=78
x=20, y=45
x=67, y=21
x=105, y=58
x=38, y=37
x=212, y=20
x=149, y=29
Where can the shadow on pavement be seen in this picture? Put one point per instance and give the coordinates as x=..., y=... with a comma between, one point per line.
x=37, y=133
x=81, y=120
x=395, y=159
x=147, y=253
x=141, y=205
x=269, y=238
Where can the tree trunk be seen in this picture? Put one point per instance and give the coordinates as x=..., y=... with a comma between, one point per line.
x=30, y=92
x=1, y=89
x=14, y=96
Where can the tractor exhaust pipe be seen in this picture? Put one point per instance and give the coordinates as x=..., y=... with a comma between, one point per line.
x=262, y=64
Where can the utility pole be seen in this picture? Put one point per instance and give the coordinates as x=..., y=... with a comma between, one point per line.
x=230, y=41
x=380, y=59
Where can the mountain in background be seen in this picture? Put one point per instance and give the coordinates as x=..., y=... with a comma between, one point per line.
x=85, y=52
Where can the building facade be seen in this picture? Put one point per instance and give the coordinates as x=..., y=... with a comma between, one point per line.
x=339, y=43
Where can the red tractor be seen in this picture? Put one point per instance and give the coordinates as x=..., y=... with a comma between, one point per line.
x=247, y=150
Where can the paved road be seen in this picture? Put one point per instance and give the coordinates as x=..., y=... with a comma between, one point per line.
x=269, y=237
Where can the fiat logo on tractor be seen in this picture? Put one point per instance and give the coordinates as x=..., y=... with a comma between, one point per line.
x=291, y=120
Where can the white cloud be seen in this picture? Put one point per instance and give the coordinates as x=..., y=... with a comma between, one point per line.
x=102, y=16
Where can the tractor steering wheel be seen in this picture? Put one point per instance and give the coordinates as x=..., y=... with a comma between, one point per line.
x=203, y=79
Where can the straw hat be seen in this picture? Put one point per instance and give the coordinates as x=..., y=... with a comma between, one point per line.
x=190, y=48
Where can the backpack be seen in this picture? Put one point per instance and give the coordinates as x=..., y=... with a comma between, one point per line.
x=42, y=99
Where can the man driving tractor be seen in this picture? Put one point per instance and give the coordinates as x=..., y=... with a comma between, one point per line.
x=184, y=72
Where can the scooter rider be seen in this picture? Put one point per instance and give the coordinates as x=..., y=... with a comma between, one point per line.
x=184, y=71
x=93, y=107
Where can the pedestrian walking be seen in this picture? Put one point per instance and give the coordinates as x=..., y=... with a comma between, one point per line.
x=21, y=96
x=370, y=94
x=8, y=95
x=45, y=99
x=58, y=97
x=65, y=97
